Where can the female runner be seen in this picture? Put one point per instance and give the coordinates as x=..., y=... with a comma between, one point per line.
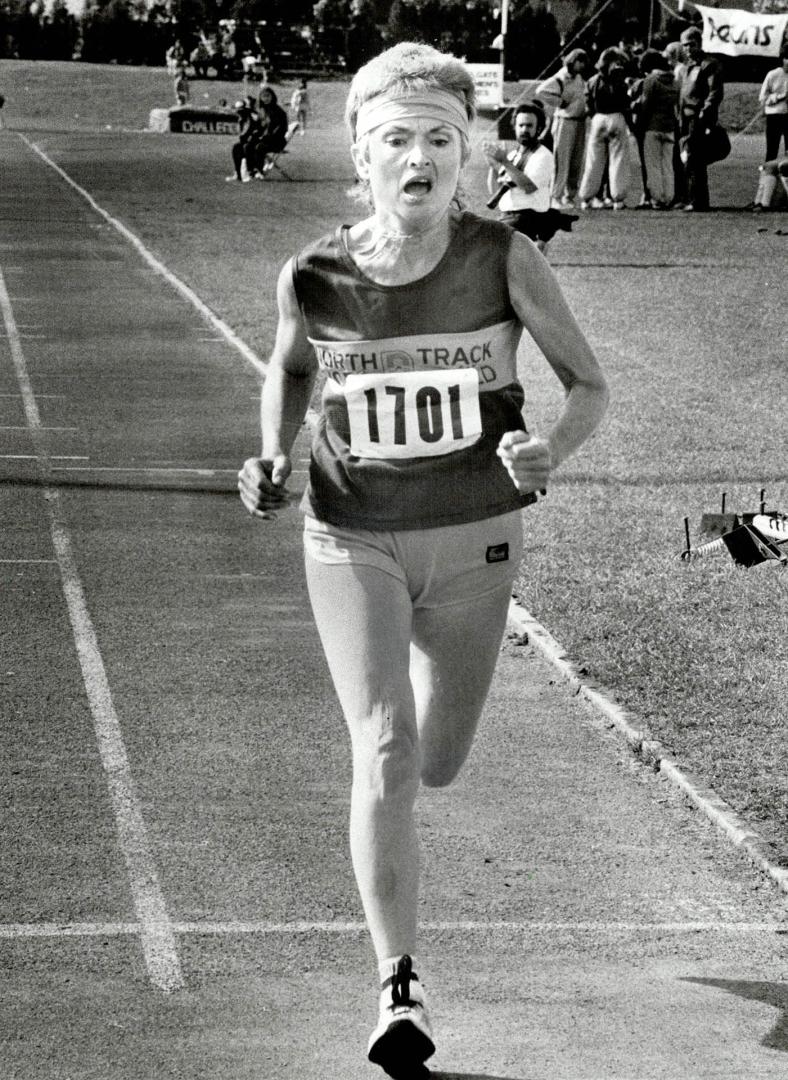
x=420, y=469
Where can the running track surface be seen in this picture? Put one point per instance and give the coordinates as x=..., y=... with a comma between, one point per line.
x=177, y=899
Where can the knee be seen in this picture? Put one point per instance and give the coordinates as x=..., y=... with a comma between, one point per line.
x=443, y=758
x=439, y=774
x=386, y=759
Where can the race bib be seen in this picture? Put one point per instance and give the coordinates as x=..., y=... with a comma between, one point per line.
x=413, y=414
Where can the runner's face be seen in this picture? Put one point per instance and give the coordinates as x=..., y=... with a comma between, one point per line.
x=413, y=167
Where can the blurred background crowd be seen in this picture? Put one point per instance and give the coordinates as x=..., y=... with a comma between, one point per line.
x=217, y=37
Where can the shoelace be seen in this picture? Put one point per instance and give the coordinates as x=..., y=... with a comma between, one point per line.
x=400, y=982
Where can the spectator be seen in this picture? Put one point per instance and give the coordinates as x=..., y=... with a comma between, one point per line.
x=299, y=105
x=634, y=88
x=701, y=90
x=181, y=86
x=273, y=120
x=521, y=180
x=674, y=54
x=174, y=57
x=655, y=111
x=773, y=97
x=245, y=150
x=564, y=96
x=200, y=59
x=608, y=141
x=769, y=195
x=2, y=103
x=253, y=69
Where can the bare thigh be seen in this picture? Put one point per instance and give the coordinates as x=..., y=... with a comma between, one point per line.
x=453, y=657
x=364, y=618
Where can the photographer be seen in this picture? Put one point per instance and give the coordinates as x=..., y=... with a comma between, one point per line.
x=521, y=180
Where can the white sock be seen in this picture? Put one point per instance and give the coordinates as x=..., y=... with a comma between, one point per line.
x=388, y=967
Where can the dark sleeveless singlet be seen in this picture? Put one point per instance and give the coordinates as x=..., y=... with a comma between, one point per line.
x=420, y=385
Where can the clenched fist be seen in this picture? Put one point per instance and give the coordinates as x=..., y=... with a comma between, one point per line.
x=527, y=459
x=261, y=483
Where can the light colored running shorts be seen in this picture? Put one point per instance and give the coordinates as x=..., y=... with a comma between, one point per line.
x=451, y=564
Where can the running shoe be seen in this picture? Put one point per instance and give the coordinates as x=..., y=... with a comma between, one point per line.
x=402, y=1040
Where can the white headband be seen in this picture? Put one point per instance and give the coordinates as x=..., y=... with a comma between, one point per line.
x=439, y=105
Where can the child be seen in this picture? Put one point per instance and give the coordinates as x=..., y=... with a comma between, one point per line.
x=299, y=104
x=181, y=87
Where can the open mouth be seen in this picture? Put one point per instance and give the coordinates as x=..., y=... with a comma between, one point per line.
x=418, y=186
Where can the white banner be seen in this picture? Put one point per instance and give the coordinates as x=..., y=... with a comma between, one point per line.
x=733, y=32
x=489, y=84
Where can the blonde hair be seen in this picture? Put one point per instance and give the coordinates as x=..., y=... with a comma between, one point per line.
x=409, y=68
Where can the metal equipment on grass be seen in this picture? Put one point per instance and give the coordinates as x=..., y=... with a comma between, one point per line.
x=749, y=538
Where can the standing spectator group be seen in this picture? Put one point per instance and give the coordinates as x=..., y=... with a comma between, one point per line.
x=663, y=103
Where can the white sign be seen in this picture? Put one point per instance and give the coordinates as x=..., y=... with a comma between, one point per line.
x=489, y=84
x=413, y=414
x=734, y=32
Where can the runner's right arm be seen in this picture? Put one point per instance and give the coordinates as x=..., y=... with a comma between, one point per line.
x=287, y=389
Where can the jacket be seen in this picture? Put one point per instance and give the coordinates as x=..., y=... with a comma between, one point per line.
x=701, y=89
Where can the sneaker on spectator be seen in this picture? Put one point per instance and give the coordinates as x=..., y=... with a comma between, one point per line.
x=619, y=204
x=233, y=177
x=594, y=204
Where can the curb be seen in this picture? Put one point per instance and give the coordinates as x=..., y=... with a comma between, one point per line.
x=648, y=749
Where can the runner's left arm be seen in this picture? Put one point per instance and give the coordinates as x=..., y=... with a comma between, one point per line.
x=540, y=304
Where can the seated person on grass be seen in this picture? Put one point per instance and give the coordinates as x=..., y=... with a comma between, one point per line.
x=772, y=193
x=273, y=119
x=250, y=133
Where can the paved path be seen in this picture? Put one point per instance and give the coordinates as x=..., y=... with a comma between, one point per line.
x=176, y=895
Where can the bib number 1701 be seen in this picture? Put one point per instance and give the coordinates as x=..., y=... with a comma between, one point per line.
x=408, y=414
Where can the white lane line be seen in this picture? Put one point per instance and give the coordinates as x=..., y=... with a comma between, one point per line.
x=119, y=929
x=17, y=428
x=158, y=940
x=19, y=562
x=37, y=457
x=144, y=469
x=219, y=324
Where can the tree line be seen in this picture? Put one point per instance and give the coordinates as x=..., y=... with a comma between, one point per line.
x=344, y=33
